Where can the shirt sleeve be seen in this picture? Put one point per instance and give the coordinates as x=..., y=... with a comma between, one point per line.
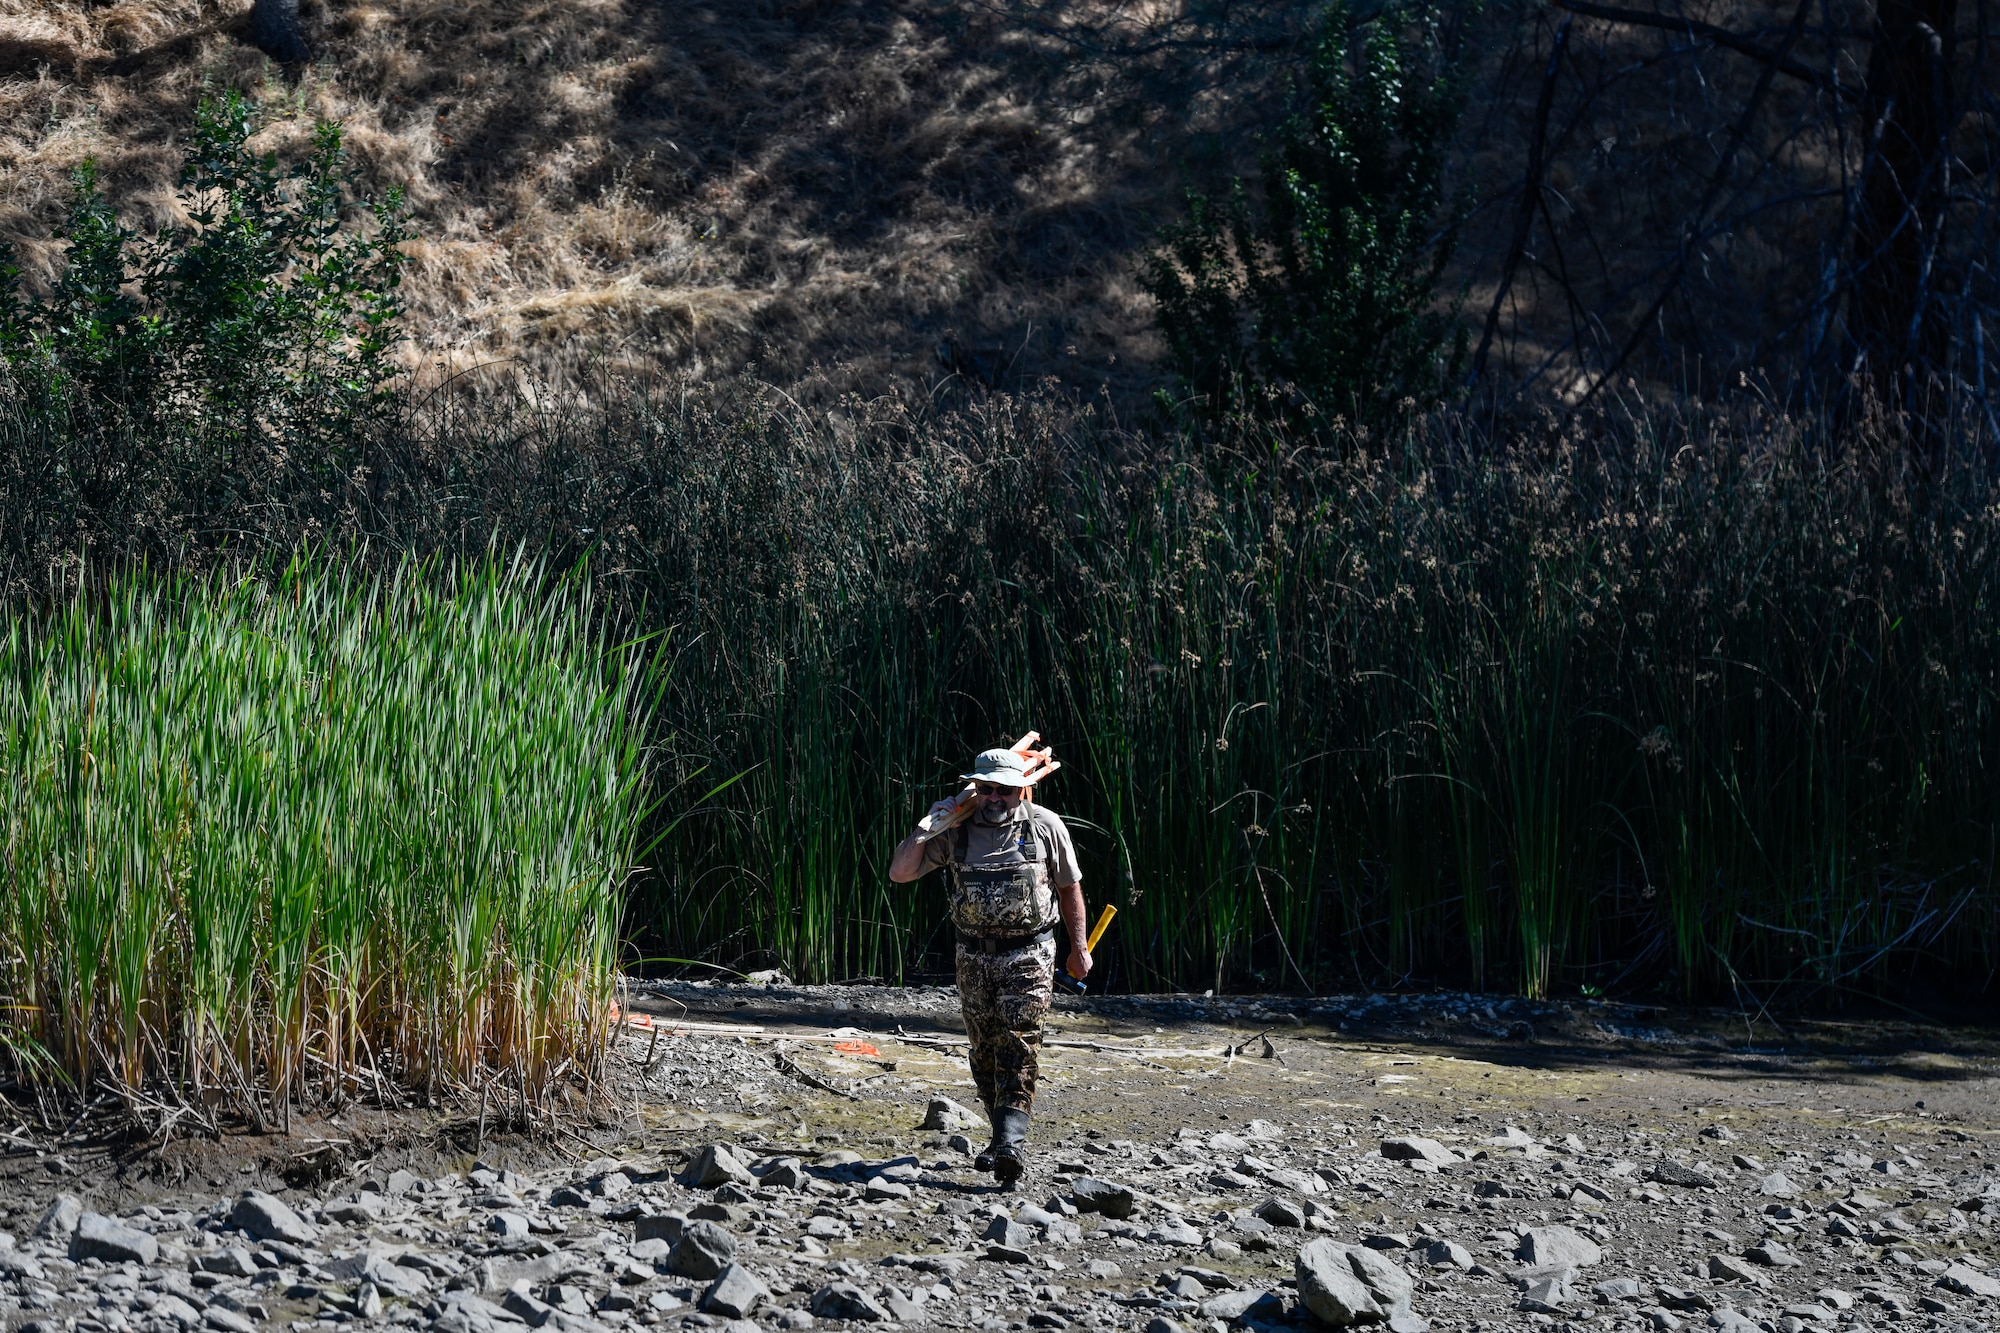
x=936, y=853
x=1063, y=870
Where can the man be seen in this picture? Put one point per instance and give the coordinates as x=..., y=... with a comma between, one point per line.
x=1012, y=868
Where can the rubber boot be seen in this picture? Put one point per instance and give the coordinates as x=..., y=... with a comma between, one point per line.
x=984, y=1162
x=1010, y=1148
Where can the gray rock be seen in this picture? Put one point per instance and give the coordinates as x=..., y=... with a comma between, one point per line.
x=58, y=1220
x=235, y=1261
x=1012, y=1234
x=844, y=1300
x=715, y=1165
x=1771, y=1255
x=1545, y=1247
x=508, y=1225
x=268, y=1217
x=1281, y=1213
x=1408, y=1321
x=659, y=1226
x=1103, y=1268
x=1728, y=1268
x=1385, y=1279
x=1187, y=1287
x=1329, y=1287
x=1232, y=1305
x=399, y=1280
x=1447, y=1254
x=1092, y=1195
x=735, y=1292
x=1174, y=1231
x=1546, y=1295
x=1732, y=1321
x=1008, y=1254
x=1617, y=1289
x=781, y=1173
x=881, y=1191
x=226, y=1320
x=945, y=1115
x=1413, y=1149
x=181, y=1312
x=98, y=1237
x=794, y=1319
x=1967, y=1281
x=1662, y=1319
x=1159, y=1323
x=703, y=1251
x=1778, y=1185
x=1673, y=1173
x=532, y=1312
x=1386, y=1240
x=401, y=1182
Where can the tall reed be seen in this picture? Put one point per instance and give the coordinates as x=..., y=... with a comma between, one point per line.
x=1670, y=697
x=271, y=838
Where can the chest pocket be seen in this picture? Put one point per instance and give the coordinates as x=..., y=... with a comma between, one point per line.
x=1007, y=892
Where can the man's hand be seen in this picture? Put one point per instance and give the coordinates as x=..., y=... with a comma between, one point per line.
x=939, y=810
x=1079, y=961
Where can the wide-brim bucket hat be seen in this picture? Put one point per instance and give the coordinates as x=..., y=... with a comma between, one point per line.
x=1002, y=768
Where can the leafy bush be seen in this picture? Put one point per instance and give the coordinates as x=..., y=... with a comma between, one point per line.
x=1320, y=287
x=253, y=341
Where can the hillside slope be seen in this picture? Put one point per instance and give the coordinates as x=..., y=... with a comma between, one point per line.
x=824, y=191
x=798, y=185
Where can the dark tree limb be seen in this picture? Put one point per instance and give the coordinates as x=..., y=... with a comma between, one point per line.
x=1778, y=60
x=1708, y=198
x=1531, y=192
x=1904, y=188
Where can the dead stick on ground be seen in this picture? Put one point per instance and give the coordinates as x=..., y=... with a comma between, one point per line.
x=785, y=1066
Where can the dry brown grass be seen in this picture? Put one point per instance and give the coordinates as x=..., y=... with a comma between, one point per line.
x=823, y=189
x=825, y=185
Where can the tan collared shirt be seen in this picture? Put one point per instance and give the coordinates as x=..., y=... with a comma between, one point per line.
x=993, y=843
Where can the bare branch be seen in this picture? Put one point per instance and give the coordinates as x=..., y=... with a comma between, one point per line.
x=1778, y=60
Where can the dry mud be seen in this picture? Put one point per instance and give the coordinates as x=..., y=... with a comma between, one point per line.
x=1444, y=1161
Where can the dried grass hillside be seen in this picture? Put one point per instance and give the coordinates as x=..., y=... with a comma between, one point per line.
x=825, y=190
x=795, y=185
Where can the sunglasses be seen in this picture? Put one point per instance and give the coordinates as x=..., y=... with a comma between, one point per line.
x=994, y=789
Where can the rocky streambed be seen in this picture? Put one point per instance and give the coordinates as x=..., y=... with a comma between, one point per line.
x=797, y=1158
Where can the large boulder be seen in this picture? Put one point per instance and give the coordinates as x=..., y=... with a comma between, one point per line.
x=1557, y=1247
x=735, y=1292
x=702, y=1252
x=1413, y=1149
x=58, y=1221
x=781, y=1173
x=268, y=1217
x=844, y=1300
x=1091, y=1195
x=946, y=1115
x=1329, y=1287
x=716, y=1165
x=98, y=1237
x=1668, y=1172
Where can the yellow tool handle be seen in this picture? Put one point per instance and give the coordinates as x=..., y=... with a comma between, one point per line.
x=1097, y=931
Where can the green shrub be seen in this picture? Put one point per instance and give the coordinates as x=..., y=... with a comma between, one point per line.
x=1318, y=290
x=208, y=359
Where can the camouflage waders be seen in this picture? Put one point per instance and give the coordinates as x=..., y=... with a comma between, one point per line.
x=1005, y=915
